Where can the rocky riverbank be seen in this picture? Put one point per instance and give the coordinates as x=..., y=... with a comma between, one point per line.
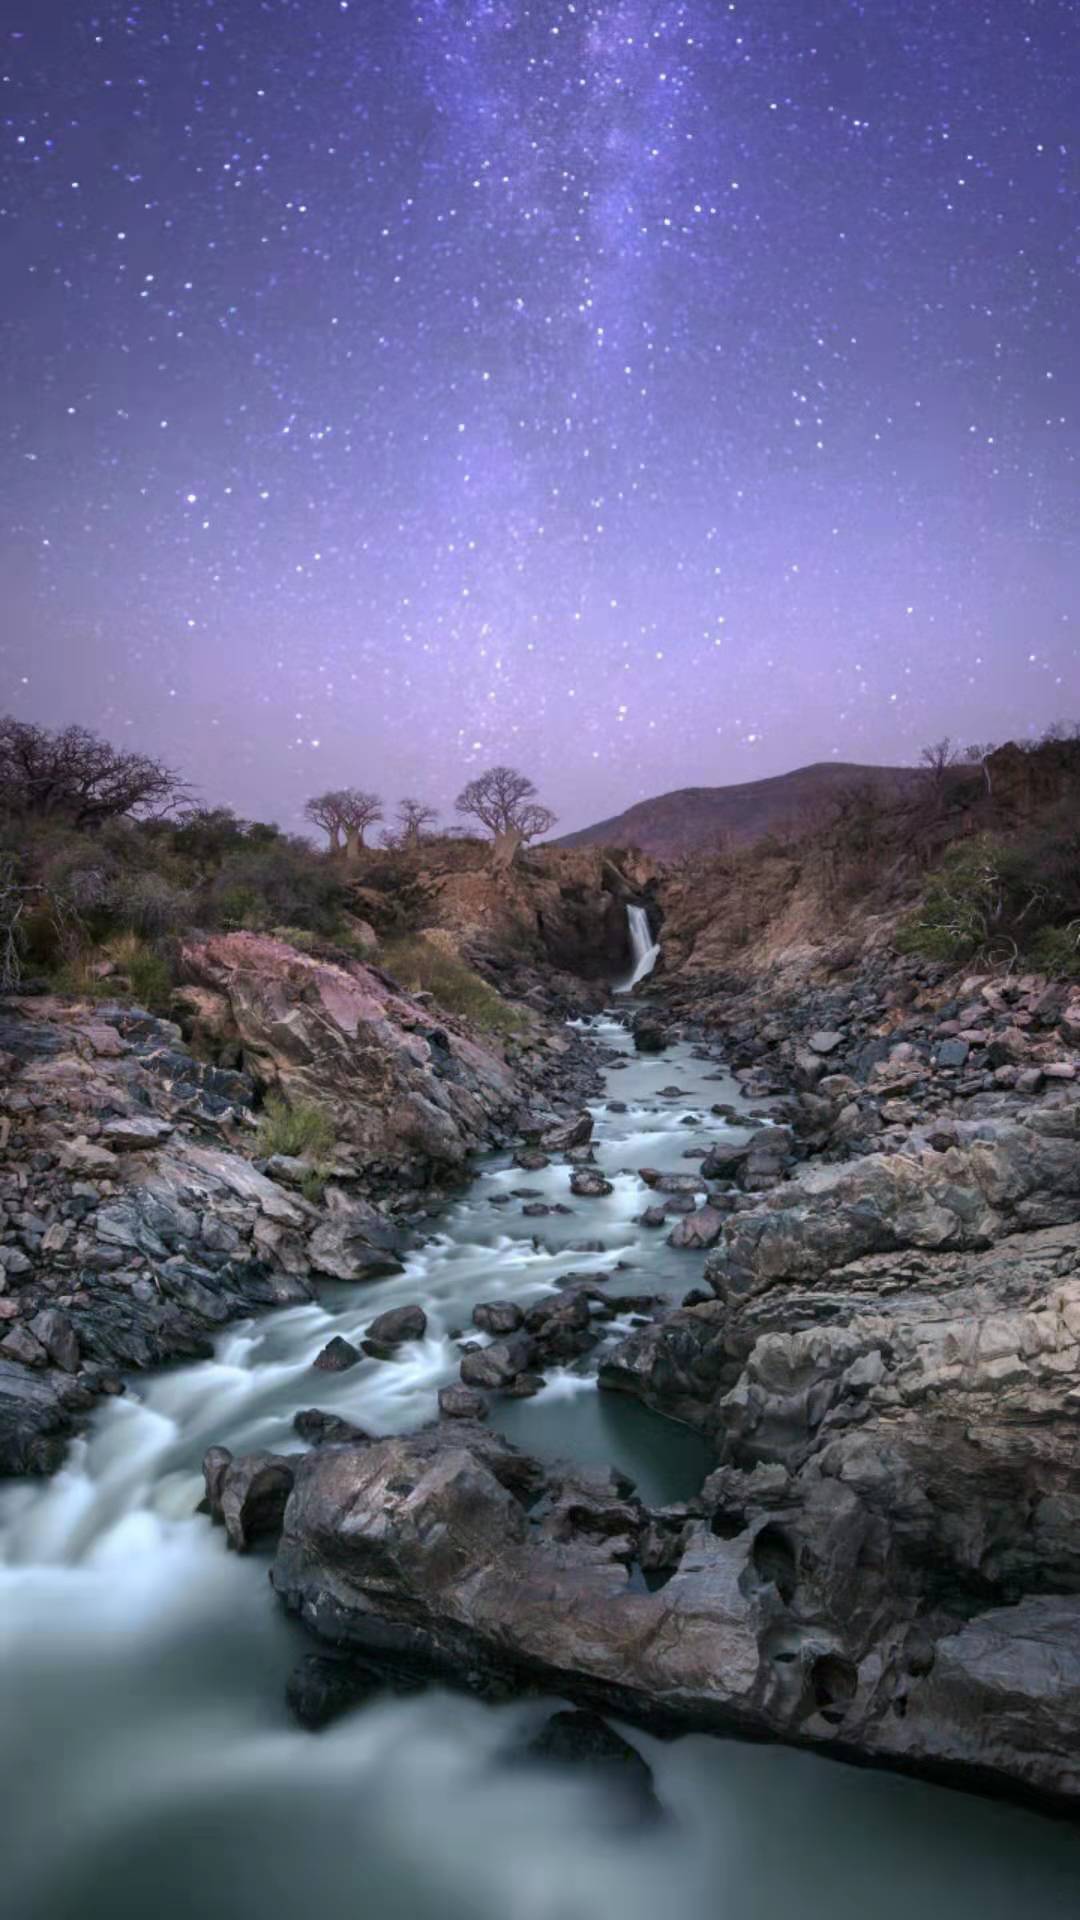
x=137, y=1212
x=885, y=1353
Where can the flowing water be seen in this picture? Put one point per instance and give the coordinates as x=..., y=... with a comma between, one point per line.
x=148, y=1770
x=643, y=947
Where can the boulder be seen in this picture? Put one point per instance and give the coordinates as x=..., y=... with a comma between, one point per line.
x=498, y=1364
x=396, y=1325
x=462, y=1403
x=698, y=1230
x=650, y=1035
x=825, y=1041
x=337, y=1356
x=497, y=1316
x=321, y=1429
x=247, y=1496
x=589, y=1184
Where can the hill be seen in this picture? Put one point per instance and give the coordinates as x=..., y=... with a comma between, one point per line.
x=693, y=819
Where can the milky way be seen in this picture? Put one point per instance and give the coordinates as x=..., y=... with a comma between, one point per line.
x=648, y=394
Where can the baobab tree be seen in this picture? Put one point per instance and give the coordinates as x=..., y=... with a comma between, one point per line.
x=324, y=811
x=359, y=810
x=344, y=814
x=414, y=818
x=504, y=801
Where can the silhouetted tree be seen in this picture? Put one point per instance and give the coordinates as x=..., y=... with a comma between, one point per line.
x=414, y=818
x=325, y=811
x=938, y=757
x=359, y=810
x=504, y=801
x=74, y=776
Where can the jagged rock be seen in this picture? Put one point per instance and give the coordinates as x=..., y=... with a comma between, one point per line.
x=575, y=1133
x=337, y=1356
x=794, y=1605
x=589, y=1184
x=698, y=1230
x=58, y=1337
x=135, y=1132
x=355, y=1243
x=21, y=1344
x=344, y=1037
x=247, y=1496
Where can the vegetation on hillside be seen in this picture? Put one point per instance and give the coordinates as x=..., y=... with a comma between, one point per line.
x=106, y=864
x=425, y=966
x=979, y=860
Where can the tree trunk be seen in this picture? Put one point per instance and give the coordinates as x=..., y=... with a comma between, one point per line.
x=352, y=845
x=505, y=849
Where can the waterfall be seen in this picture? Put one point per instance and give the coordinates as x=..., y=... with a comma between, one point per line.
x=644, y=948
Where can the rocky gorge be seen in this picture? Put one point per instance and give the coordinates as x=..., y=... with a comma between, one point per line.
x=885, y=1357
x=710, y=1365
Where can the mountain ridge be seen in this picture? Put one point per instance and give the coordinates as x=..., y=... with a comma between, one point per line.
x=688, y=819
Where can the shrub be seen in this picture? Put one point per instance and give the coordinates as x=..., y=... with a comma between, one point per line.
x=962, y=909
x=1056, y=950
x=421, y=966
x=302, y=1130
x=147, y=970
x=279, y=884
x=1003, y=901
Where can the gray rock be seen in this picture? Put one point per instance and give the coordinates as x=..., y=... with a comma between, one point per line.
x=337, y=1356
x=497, y=1316
x=589, y=1184
x=396, y=1325
x=497, y=1365
x=825, y=1041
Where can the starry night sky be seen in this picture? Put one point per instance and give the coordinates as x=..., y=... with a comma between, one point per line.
x=647, y=392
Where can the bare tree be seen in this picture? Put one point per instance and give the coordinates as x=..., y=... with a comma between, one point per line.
x=325, y=811
x=359, y=810
x=938, y=757
x=73, y=775
x=414, y=819
x=977, y=754
x=504, y=801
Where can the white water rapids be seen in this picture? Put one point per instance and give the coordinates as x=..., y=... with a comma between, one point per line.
x=643, y=947
x=147, y=1765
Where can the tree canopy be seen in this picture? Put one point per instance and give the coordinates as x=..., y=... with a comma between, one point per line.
x=73, y=775
x=504, y=801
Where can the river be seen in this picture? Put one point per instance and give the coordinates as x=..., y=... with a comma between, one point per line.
x=148, y=1766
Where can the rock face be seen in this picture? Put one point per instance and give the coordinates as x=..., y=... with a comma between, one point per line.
x=834, y=1604
x=402, y=1087
x=133, y=1224
x=134, y=1221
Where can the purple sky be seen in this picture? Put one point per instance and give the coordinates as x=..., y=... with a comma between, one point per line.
x=647, y=393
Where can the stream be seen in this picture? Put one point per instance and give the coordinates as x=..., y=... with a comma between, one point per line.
x=148, y=1766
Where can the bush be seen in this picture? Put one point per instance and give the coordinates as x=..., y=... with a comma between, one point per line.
x=1056, y=950
x=999, y=901
x=303, y=1130
x=422, y=966
x=280, y=884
